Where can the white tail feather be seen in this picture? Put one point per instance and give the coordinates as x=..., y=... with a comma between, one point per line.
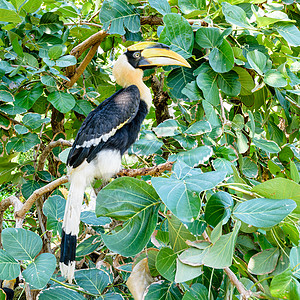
x=74, y=203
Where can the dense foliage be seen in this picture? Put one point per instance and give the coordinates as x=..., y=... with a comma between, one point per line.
x=232, y=198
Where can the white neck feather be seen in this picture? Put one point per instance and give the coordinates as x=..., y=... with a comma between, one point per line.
x=127, y=75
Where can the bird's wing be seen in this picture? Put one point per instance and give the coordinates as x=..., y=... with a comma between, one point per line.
x=103, y=122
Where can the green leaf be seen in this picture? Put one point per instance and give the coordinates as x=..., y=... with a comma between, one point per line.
x=50, y=23
x=119, y=14
x=54, y=208
x=62, y=101
x=198, y=128
x=193, y=157
x=9, y=16
x=26, y=98
x=264, y=262
x=192, y=91
x=280, y=188
x=90, y=218
x=20, y=129
x=220, y=254
x=23, y=142
x=55, y=52
x=162, y=290
x=9, y=267
x=11, y=109
x=196, y=291
x=39, y=272
x=6, y=96
x=29, y=187
x=235, y=15
x=190, y=6
x=257, y=60
x=48, y=80
x=222, y=164
x=265, y=145
x=21, y=244
x=229, y=83
x=178, y=79
x=295, y=261
x=221, y=59
x=32, y=5
x=166, y=263
x=66, y=61
x=58, y=293
x=207, y=82
x=34, y=121
x=289, y=32
x=246, y=80
x=83, y=107
x=218, y=207
x=178, y=234
x=162, y=6
x=167, y=128
x=147, y=144
x=208, y=37
x=249, y=168
x=178, y=34
x=133, y=201
x=182, y=196
x=275, y=78
x=185, y=272
x=263, y=212
x=280, y=285
x=92, y=280
x=88, y=246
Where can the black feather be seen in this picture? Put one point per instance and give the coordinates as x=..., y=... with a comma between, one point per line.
x=123, y=109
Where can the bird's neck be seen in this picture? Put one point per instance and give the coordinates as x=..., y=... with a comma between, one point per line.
x=127, y=75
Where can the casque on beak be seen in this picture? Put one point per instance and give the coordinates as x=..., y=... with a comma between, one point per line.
x=157, y=54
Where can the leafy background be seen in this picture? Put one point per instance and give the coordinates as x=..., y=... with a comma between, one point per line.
x=230, y=206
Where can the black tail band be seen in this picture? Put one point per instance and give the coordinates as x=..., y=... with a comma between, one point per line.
x=67, y=248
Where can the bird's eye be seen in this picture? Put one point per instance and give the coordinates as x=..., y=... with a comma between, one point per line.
x=136, y=54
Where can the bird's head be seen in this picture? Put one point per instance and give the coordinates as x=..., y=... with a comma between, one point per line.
x=146, y=55
x=128, y=69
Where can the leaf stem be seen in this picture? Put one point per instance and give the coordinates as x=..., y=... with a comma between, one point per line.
x=73, y=288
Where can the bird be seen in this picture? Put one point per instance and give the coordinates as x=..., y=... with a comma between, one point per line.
x=107, y=133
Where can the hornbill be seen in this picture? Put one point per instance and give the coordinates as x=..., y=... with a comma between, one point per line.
x=107, y=132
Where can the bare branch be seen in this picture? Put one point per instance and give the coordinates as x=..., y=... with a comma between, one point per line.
x=4, y=205
x=153, y=171
x=83, y=65
x=48, y=149
x=79, y=49
x=38, y=193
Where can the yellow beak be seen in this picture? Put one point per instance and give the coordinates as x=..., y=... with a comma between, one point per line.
x=157, y=54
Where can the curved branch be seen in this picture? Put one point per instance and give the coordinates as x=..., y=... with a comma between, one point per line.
x=48, y=149
x=4, y=205
x=79, y=49
x=38, y=193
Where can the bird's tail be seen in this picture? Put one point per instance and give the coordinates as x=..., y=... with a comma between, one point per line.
x=70, y=226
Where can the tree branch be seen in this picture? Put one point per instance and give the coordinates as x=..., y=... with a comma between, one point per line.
x=4, y=205
x=79, y=49
x=38, y=193
x=48, y=149
x=153, y=171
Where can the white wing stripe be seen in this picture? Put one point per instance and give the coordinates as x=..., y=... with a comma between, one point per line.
x=95, y=142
